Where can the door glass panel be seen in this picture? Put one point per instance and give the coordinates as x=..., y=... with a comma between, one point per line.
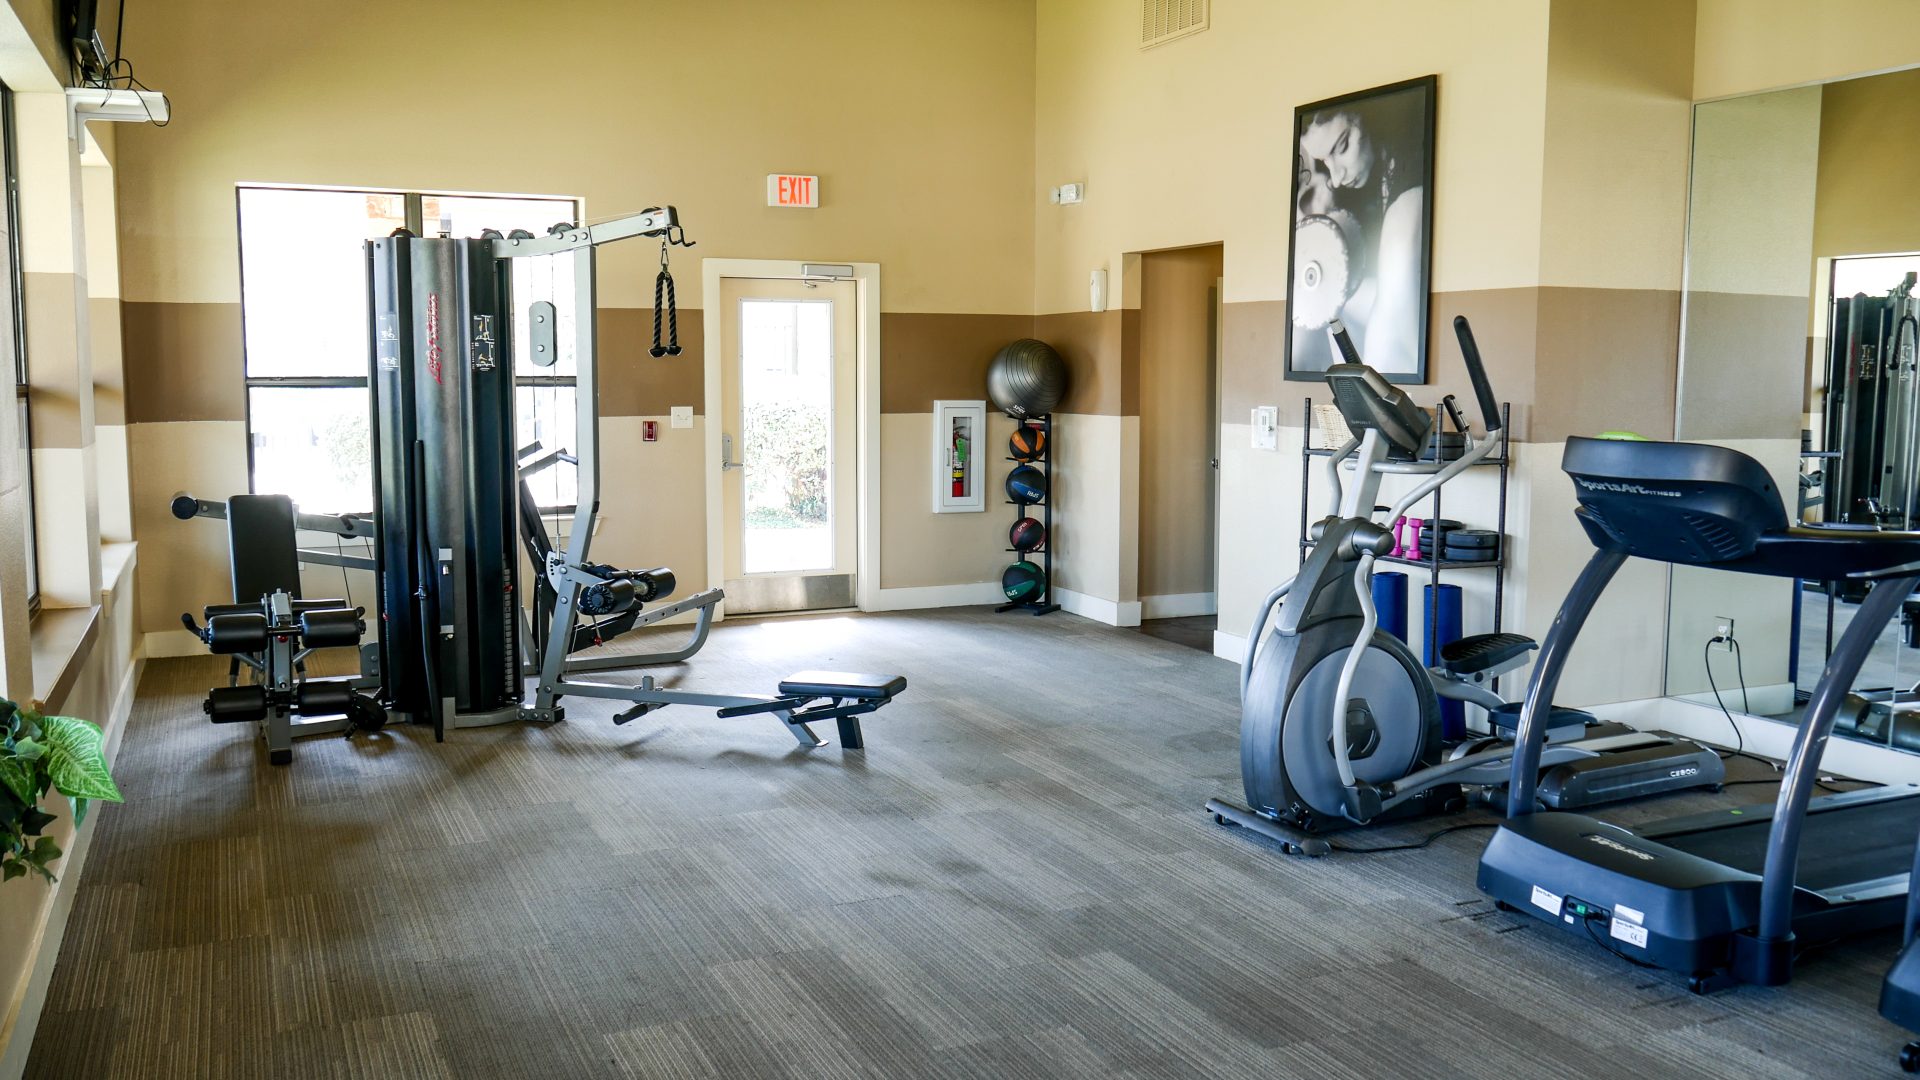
x=786, y=432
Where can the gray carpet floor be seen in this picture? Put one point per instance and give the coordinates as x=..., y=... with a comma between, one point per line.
x=1014, y=880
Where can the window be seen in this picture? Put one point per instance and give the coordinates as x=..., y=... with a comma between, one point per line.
x=303, y=282
x=1873, y=275
x=13, y=339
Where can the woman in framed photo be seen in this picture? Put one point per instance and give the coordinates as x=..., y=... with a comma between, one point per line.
x=1361, y=202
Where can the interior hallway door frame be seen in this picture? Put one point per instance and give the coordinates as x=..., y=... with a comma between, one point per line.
x=866, y=279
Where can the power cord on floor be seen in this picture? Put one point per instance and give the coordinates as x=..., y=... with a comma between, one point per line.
x=1607, y=945
x=1416, y=845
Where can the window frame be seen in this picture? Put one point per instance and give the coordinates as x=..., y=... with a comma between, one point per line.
x=22, y=377
x=415, y=215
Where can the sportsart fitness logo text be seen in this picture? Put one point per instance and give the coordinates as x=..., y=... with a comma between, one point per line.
x=1609, y=842
x=1623, y=489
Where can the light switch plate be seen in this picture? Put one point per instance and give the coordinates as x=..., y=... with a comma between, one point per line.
x=1266, y=427
x=681, y=416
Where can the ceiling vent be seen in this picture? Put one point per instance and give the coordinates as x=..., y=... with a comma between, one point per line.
x=1162, y=21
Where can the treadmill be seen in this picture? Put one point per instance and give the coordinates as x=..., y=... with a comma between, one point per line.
x=1728, y=896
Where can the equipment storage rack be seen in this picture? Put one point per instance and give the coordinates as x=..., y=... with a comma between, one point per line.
x=1434, y=563
x=1043, y=603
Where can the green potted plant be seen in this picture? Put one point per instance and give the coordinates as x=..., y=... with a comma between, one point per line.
x=40, y=754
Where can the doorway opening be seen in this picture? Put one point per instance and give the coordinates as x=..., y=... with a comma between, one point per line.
x=789, y=499
x=1179, y=442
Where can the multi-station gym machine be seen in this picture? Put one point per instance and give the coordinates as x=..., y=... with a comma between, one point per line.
x=1871, y=475
x=457, y=643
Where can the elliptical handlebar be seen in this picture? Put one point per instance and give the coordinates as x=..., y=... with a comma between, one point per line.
x=1343, y=341
x=1477, y=371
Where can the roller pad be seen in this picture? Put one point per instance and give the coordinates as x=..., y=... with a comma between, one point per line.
x=842, y=684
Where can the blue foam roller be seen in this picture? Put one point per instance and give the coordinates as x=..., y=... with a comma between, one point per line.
x=1442, y=626
x=1390, y=602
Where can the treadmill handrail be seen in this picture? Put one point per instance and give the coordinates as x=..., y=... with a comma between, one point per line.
x=1531, y=732
x=1881, y=604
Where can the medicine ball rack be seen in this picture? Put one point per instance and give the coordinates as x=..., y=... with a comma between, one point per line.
x=1434, y=563
x=1044, y=602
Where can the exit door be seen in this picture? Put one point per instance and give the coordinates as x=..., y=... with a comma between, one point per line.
x=787, y=444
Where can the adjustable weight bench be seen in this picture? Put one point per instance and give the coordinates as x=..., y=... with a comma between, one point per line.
x=809, y=696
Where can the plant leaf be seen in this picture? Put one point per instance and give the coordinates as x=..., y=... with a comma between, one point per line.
x=27, y=749
x=79, y=810
x=76, y=758
x=17, y=775
x=11, y=869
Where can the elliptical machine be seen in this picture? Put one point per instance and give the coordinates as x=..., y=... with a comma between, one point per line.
x=1333, y=735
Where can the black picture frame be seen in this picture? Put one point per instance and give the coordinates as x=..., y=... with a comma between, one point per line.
x=1336, y=216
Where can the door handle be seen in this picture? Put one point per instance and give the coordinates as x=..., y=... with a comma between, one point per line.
x=726, y=455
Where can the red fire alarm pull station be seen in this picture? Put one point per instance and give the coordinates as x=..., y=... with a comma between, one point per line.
x=649, y=431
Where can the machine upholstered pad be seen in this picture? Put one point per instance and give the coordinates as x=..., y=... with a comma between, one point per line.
x=842, y=684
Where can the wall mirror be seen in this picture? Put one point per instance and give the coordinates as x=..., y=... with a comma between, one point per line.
x=1798, y=347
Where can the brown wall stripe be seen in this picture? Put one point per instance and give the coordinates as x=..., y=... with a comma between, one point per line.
x=632, y=383
x=109, y=373
x=929, y=357
x=60, y=419
x=183, y=362
x=1096, y=345
x=1506, y=325
x=1606, y=360
x=1747, y=361
x=1569, y=360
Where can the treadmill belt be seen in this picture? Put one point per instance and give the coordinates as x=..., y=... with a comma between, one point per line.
x=1846, y=845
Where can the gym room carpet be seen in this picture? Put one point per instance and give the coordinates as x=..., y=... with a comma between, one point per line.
x=1014, y=880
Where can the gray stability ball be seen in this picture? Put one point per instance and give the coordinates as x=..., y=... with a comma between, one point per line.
x=1027, y=378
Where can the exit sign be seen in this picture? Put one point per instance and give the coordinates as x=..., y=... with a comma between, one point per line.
x=787, y=190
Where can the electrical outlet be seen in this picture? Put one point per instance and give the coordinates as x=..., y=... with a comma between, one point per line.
x=1723, y=629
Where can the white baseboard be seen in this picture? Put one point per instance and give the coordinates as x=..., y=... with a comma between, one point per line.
x=1772, y=700
x=1177, y=605
x=1111, y=612
x=164, y=643
x=1760, y=735
x=1229, y=646
x=30, y=998
x=937, y=596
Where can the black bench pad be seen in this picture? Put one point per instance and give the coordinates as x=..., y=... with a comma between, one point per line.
x=842, y=684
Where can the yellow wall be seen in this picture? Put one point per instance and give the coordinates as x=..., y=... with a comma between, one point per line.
x=1744, y=46
x=918, y=119
x=1188, y=143
x=1868, y=199
x=916, y=116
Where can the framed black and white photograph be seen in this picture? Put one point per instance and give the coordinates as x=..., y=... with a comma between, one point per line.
x=1362, y=229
